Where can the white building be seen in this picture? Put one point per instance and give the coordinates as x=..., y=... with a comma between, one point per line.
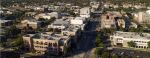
x=121, y=23
x=79, y=21
x=54, y=14
x=1, y=11
x=148, y=11
x=38, y=8
x=47, y=15
x=85, y=12
x=134, y=25
x=43, y=15
x=76, y=9
x=120, y=38
x=142, y=17
x=59, y=24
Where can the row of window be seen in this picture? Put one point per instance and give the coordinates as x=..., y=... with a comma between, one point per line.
x=49, y=48
x=140, y=41
x=40, y=47
x=141, y=47
x=45, y=43
x=119, y=39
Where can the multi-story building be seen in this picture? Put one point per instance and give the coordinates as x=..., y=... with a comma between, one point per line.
x=120, y=38
x=79, y=22
x=69, y=21
x=46, y=42
x=142, y=17
x=76, y=9
x=121, y=23
x=55, y=41
x=72, y=30
x=47, y=15
x=59, y=24
x=85, y=12
x=108, y=21
x=5, y=22
x=31, y=23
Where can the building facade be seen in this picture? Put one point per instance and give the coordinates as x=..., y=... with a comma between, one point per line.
x=142, y=17
x=85, y=12
x=108, y=21
x=121, y=39
x=46, y=42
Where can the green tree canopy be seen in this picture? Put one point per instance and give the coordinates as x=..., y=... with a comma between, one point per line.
x=115, y=56
x=99, y=42
x=66, y=49
x=105, y=55
x=17, y=42
x=148, y=44
x=98, y=51
x=131, y=44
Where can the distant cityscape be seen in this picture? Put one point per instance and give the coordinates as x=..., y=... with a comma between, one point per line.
x=75, y=29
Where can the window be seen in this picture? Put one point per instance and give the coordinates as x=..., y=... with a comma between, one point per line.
x=41, y=47
x=41, y=43
x=55, y=44
x=50, y=44
x=26, y=42
x=37, y=42
x=50, y=48
x=55, y=49
x=45, y=43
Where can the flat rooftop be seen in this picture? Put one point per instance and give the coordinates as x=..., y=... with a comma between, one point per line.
x=47, y=35
x=73, y=28
x=134, y=35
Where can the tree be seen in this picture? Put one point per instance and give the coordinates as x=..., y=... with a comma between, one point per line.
x=99, y=42
x=146, y=57
x=131, y=44
x=123, y=56
x=17, y=42
x=66, y=49
x=98, y=51
x=148, y=44
x=115, y=56
x=148, y=25
x=108, y=30
x=12, y=31
x=101, y=45
x=105, y=55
